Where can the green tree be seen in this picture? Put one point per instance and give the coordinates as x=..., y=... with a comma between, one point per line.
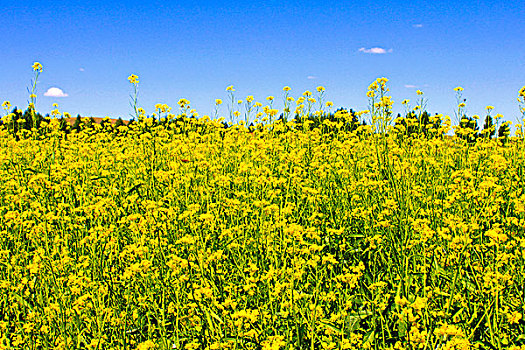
x=504, y=131
x=489, y=130
x=118, y=123
x=78, y=123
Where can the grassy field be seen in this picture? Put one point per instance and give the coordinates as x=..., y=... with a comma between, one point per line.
x=191, y=235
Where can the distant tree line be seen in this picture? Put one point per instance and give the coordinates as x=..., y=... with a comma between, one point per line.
x=20, y=123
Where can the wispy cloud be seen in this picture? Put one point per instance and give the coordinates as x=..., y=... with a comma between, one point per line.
x=81, y=69
x=410, y=86
x=375, y=50
x=418, y=25
x=55, y=92
x=311, y=77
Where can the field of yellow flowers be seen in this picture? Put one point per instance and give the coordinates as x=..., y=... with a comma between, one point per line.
x=197, y=236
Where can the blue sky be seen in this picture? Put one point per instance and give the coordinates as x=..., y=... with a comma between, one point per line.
x=196, y=49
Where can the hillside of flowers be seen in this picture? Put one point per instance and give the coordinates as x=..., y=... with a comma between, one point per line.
x=298, y=228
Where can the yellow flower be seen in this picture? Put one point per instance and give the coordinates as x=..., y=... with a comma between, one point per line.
x=419, y=92
x=405, y=102
x=230, y=88
x=447, y=329
x=419, y=303
x=147, y=345
x=269, y=98
x=522, y=92
x=133, y=79
x=218, y=101
x=183, y=103
x=457, y=89
x=37, y=67
x=489, y=108
x=514, y=317
x=320, y=89
x=401, y=301
x=329, y=104
x=6, y=105
x=286, y=88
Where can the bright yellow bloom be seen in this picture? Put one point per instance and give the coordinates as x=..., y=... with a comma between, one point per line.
x=320, y=89
x=230, y=88
x=286, y=88
x=457, y=89
x=183, y=103
x=37, y=67
x=514, y=317
x=162, y=108
x=147, y=345
x=218, y=101
x=133, y=79
x=522, y=92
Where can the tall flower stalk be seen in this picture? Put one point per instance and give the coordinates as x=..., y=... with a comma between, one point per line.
x=37, y=68
x=134, y=80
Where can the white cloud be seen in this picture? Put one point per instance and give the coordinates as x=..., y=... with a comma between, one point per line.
x=311, y=77
x=410, y=86
x=81, y=69
x=419, y=25
x=375, y=50
x=55, y=92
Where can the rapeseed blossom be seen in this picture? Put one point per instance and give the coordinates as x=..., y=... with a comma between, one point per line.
x=183, y=233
